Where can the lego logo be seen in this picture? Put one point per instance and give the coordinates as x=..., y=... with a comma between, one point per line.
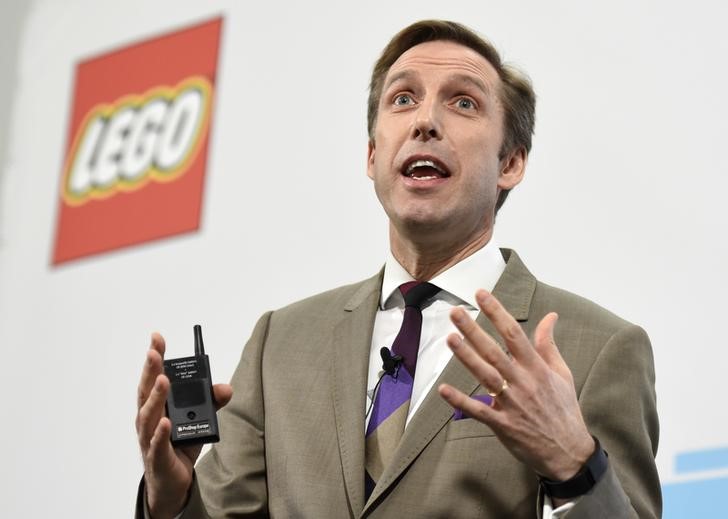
x=122, y=146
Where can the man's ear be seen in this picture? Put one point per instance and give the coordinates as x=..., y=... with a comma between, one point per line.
x=370, y=159
x=513, y=167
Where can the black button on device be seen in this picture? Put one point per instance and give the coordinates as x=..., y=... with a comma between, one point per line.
x=191, y=415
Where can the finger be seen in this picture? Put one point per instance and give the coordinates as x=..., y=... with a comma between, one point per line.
x=152, y=411
x=483, y=344
x=543, y=341
x=158, y=343
x=153, y=366
x=487, y=375
x=508, y=328
x=222, y=394
x=191, y=452
x=161, y=455
x=469, y=406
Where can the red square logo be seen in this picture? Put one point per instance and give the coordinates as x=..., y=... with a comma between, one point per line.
x=137, y=143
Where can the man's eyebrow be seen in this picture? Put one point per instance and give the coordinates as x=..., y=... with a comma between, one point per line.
x=475, y=81
x=397, y=76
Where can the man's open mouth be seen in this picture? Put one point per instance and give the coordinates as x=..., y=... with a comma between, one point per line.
x=425, y=169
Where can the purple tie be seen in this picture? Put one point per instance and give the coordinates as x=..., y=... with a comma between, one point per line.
x=392, y=400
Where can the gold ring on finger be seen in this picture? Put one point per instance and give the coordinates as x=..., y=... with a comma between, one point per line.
x=503, y=387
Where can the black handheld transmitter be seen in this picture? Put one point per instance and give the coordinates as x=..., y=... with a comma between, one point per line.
x=190, y=404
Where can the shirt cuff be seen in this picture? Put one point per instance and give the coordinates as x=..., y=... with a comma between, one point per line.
x=550, y=513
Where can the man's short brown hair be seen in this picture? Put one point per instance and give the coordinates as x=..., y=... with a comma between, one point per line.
x=516, y=94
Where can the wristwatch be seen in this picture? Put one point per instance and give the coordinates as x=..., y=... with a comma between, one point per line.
x=583, y=481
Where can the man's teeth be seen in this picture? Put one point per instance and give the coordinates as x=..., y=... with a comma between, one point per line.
x=430, y=177
x=424, y=164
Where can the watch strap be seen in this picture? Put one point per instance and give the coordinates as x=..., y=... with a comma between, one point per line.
x=583, y=481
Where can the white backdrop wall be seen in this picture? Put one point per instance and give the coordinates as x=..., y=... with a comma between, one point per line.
x=623, y=203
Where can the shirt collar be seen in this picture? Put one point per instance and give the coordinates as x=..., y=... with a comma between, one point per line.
x=482, y=269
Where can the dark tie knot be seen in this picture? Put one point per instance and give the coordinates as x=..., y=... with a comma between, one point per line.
x=416, y=293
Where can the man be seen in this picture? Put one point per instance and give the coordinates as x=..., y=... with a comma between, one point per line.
x=450, y=129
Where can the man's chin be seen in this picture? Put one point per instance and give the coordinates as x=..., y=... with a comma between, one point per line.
x=423, y=226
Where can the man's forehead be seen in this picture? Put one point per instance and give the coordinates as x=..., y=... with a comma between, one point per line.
x=443, y=55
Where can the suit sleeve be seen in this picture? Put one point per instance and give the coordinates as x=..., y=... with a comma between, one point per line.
x=230, y=480
x=619, y=406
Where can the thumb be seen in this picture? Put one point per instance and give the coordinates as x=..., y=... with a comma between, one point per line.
x=222, y=394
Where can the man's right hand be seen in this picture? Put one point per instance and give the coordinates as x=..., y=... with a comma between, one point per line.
x=167, y=471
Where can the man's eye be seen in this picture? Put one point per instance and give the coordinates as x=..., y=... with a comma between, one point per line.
x=403, y=100
x=465, y=103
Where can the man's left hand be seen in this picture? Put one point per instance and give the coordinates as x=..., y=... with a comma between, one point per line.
x=535, y=412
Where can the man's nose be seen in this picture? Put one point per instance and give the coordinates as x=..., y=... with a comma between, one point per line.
x=427, y=124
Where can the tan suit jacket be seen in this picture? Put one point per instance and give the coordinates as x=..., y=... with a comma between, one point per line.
x=293, y=435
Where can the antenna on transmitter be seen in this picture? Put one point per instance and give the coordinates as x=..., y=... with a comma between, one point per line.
x=199, y=345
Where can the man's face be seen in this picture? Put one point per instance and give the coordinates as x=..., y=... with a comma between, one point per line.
x=439, y=129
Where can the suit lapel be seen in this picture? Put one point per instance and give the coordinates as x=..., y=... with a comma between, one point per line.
x=514, y=290
x=515, y=287
x=352, y=337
